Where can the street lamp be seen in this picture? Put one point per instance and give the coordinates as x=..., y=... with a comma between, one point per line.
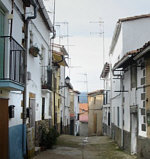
x=67, y=81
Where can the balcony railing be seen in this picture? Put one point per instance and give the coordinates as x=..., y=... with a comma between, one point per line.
x=106, y=99
x=46, y=79
x=11, y=60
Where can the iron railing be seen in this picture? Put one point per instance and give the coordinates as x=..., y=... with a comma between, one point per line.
x=46, y=79
x=106, y=99
x=12, y=60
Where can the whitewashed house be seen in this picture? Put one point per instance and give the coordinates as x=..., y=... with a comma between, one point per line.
x=59, y=63
x=66, y=115
x=105, y=75
x=39, y=75
x=76, y=112
x=25, y=65
x=12, y=129
x=128, y=118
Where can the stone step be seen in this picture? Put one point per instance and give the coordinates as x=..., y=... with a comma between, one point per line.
x=37, y=150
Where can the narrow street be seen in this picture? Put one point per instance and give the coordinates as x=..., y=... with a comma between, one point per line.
x=76, y=147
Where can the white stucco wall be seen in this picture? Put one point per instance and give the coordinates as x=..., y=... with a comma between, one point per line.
x=15, y=97
x=135, y=34
x=62, y=92
x=127, y=100
x=117, y=50
x=140, y=102
x=67, y=107
x=41, y=40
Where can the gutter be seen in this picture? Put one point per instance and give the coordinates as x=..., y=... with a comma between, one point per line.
x=142, y=53
x=46, y=16
x=115, y=37
x=26, y=23
x=33, y=3
x=121, y=62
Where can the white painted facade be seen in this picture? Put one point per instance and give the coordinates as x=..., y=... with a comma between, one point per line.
x=126, y=103
x=76, y=112
x=66, y=120
x=36, y=64
x=41, y=39
x=14, y=97
x=132, y=34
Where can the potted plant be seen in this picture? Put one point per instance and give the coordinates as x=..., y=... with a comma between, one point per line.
x=34, y=51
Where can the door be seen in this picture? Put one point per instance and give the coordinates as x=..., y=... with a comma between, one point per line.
x=133, y=133
x=95, y=123
x=4, y=128
x=1, y=44
x=32, y=112
x=72, y=127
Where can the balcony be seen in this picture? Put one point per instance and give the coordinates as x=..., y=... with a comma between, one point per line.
x=46, y=79
x=11, y=64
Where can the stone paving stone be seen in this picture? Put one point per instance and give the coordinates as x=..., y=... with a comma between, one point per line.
x=73, y=147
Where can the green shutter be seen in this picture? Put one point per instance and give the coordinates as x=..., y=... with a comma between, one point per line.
x=1, y=44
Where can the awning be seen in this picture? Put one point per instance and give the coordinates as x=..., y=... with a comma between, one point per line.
x=59, y=59
x=126, y=60
x=105, y=70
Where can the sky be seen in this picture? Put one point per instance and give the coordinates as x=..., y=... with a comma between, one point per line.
x=86, y=34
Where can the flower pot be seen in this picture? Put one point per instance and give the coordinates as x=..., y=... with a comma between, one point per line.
x=34, y=51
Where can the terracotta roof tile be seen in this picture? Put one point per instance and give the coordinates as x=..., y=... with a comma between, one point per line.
x=133, y=52
x=134, y=18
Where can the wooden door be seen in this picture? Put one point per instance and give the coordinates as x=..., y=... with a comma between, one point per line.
x=133, y=133
x=95, y=123
x=1, y=44
x=4, y=128
x=32, y=112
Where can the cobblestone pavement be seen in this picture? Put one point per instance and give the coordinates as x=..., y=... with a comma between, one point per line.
x=76, y=147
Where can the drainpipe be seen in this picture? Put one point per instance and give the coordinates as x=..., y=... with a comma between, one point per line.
x=122, y=113
x=26, y=24
x=122, y=106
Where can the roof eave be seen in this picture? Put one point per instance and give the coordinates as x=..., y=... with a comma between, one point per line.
x=142, y=53
x=120, y=64
x=115, y=37
x=45, y=15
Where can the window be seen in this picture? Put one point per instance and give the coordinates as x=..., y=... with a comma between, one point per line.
x=43, y=108
x=118, y=116
x=133, y=76
x=31, y=38
x=94, y=100
x=106, y=97
x=108, y=118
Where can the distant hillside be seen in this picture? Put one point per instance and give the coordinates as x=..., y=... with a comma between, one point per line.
x=83, y=97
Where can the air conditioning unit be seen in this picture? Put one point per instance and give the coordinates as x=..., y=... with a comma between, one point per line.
x=29, y=75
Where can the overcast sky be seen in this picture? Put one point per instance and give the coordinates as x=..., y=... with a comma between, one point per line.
x=86, y=50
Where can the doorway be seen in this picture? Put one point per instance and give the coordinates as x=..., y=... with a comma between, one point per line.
x=4, y=128
x=32, y=114
x=133, y=133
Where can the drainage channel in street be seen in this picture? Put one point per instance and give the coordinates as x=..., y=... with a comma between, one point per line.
x=84, y=142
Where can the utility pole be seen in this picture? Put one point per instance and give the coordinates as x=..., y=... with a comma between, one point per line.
x=99, y=33
x=59, y=24
x=85, y=81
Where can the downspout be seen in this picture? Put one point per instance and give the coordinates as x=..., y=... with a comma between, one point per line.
x=52, y=38
x=122, y=107
x=122, y=113
x=11, y=24
x=26, y=24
